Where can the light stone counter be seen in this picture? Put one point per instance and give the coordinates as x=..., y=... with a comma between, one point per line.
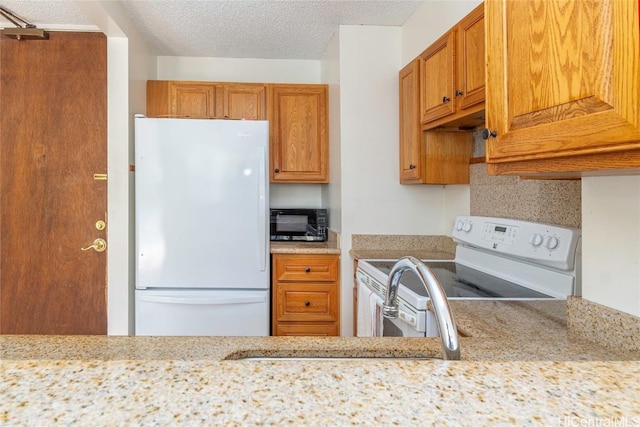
x=303, y=248
x=331, y=246
x=520, y=367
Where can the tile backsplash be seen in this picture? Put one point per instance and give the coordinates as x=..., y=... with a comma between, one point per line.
x=551, y=201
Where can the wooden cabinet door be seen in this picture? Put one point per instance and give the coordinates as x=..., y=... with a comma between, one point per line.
x=437, y=75
x=563, y=84
x=194, y=100
x=470, y=64
x=298, y=123
x=410, y=134
x=244, y=101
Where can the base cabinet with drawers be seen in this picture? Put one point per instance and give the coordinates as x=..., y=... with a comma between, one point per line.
x=306, y=294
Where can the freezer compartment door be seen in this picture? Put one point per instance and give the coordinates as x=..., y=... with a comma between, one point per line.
x=202, y=312
x=202, y=202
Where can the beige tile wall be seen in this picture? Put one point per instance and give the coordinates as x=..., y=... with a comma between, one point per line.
x=551, y=201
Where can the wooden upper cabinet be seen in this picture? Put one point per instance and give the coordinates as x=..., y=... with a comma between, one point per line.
x=470, y=82
x=297, y=114
x=244, y=101
x=410, y=134
x=428, y=87
x=206, y=100
x=192, y=100
x=298, y=127
x=180, y=99
x=452, y=73
x=429, y=157
x=438, y=78
x=563, y=86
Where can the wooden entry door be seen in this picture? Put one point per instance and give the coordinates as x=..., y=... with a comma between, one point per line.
x=53, y=139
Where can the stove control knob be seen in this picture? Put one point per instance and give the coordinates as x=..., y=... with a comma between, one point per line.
x=536, y=240
x=466, y=227
x=552, y=242
x=459, y=225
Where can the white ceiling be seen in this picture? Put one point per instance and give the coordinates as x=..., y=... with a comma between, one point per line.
x=275, y=29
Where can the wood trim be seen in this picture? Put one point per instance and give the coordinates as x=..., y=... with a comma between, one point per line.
x=623, y=163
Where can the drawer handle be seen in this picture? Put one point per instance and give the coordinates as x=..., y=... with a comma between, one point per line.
x=307, y=303
x=307, y=270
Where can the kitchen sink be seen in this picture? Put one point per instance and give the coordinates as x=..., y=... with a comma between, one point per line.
x=331, y=359
x=325, y=355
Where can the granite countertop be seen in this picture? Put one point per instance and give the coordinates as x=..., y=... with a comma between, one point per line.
x=520, y=366
x=304, y=248
x=331, y=246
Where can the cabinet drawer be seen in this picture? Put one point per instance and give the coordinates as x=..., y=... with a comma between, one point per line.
x=306, y=303
x=283, y=329
x=299, y=268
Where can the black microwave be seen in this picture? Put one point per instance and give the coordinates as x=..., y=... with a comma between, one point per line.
x=307, y=225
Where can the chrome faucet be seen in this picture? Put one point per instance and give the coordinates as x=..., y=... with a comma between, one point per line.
x=444, y=317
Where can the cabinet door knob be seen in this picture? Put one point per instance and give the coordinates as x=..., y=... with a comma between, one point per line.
x=307, y=303
x=276, y=170
x=307, y=270
x=412, y=166
x=445, y=99
x=486, y=133
x=459, y=93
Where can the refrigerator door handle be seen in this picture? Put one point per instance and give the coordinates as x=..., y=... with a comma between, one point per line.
x=202, y=301
x=262, y=209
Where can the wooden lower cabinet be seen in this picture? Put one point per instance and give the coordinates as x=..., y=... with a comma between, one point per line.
x=293, y=329
x=306, y=294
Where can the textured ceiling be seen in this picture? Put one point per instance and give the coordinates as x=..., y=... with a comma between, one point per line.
x=275, y=29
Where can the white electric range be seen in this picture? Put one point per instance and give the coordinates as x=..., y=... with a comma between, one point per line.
x=496, y=259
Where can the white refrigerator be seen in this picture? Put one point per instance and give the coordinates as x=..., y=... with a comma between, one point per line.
x=201, y=221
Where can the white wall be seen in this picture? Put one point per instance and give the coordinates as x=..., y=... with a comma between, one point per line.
x=611, y=242
x=429, y=22
x=370, y=196
x=373, y=201
x=238, y=70
x=130, y=63
x=361, y=65
x=332, y=192
x=295, y=196
x=425, y=26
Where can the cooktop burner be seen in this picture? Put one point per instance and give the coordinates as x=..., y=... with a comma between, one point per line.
x=459, y=281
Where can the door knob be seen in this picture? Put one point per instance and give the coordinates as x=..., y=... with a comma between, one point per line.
x=99, y=245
